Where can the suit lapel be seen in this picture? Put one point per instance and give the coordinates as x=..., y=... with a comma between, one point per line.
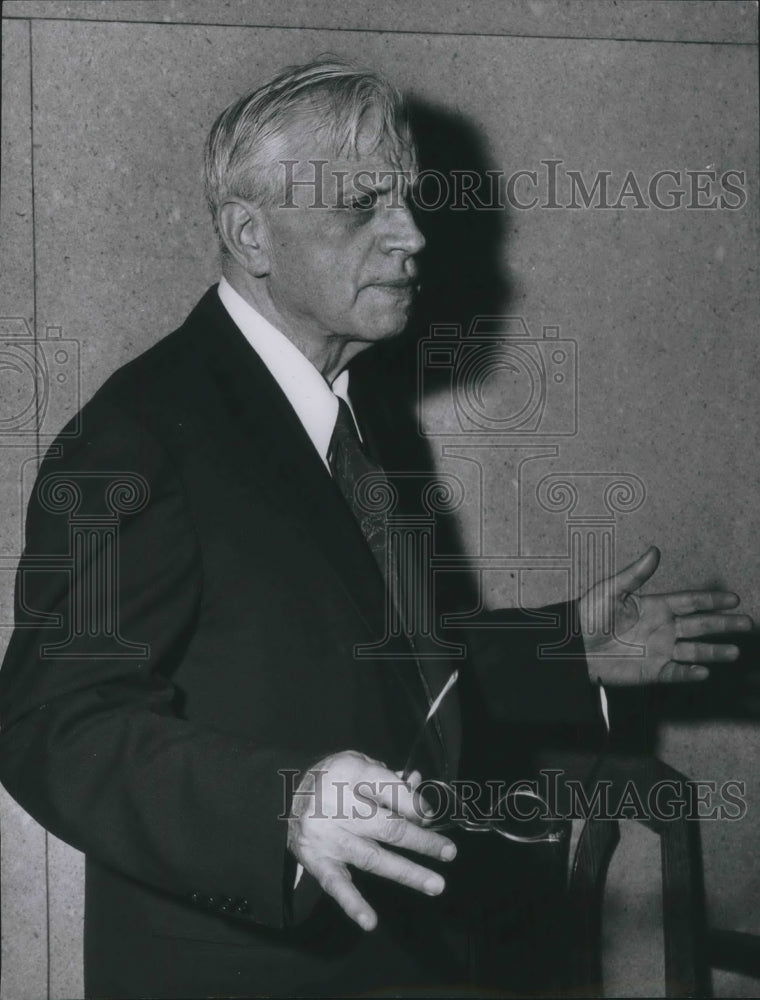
x=285, y=464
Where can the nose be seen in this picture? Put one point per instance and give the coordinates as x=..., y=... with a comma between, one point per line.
x=401, y=231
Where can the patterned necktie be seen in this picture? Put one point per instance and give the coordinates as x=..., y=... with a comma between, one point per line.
x=349, y=463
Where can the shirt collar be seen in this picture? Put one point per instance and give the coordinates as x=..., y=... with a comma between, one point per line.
x=314, y=401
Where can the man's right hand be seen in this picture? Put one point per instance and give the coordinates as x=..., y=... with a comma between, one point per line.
x=346, y=807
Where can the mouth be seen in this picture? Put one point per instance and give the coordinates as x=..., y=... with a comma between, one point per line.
x=400, y=284
x=396, y=293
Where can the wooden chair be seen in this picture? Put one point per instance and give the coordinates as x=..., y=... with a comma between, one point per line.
x=691, y=948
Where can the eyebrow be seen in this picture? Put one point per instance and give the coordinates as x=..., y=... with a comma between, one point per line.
x=407, y=176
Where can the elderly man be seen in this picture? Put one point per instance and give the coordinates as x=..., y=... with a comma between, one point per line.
x=206, y=730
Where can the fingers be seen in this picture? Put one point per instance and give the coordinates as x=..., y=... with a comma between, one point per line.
x=413, y=780
x=365, y=853
x=421, y=810
x=677, y=673
x=704, y=652
x=336, y=882
x=393, y=792
x=398, y=832
x=691, y=626
x=358, y=806
x=686, y=602
x=638, y=572
x=386, y=788
x=370, y=857
x=403, y=799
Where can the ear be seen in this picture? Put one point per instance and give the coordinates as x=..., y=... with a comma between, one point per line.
x=242, y=226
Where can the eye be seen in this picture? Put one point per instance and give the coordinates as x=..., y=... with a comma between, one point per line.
x=363, y=202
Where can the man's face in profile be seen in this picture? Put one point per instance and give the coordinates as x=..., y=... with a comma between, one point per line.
x=345, y=269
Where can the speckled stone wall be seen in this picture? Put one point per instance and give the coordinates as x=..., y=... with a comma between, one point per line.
x=106, y=246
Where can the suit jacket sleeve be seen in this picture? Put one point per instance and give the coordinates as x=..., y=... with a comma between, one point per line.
x=94, y=744
x=530, y=666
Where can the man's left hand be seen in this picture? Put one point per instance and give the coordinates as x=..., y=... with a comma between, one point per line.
x=665, y=627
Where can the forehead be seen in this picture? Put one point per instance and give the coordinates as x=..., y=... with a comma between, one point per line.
x=375, y=151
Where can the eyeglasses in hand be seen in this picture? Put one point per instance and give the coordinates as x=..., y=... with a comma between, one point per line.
x=520, y=814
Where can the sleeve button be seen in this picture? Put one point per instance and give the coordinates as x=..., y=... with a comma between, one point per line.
x=243, y=906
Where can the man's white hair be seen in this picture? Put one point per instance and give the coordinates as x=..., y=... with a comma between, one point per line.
x=249, y=139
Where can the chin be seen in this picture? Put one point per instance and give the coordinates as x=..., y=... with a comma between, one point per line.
x=391, y=324
x=384, y=332
x=388, y=314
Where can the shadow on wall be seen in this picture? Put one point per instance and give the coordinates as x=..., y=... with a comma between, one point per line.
x=462, y=276
x=462, y=272
x=731, y=693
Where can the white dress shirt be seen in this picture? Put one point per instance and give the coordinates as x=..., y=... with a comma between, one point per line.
x=315, y=402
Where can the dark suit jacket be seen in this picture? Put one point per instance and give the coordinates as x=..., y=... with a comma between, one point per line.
x=248, y=583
